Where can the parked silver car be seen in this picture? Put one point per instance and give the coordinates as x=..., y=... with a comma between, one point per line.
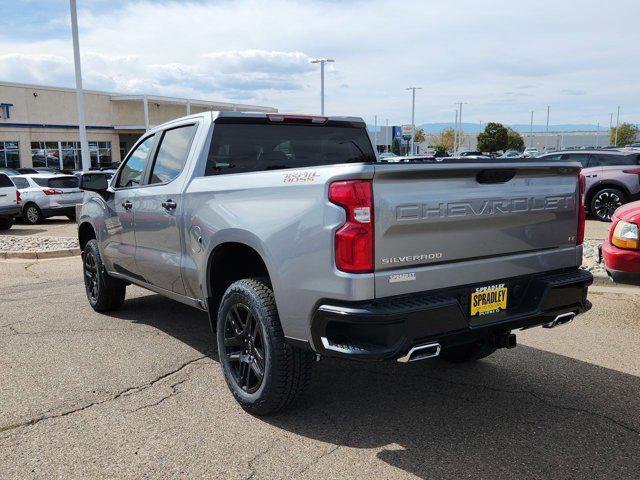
x=45, y=195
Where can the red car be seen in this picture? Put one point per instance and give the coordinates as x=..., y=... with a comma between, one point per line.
x=621, y=251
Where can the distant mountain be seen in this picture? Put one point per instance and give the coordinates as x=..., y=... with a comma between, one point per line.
x=522, y=128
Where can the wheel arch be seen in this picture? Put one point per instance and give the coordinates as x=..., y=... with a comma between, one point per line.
x=86, y=232
x=228, y=262
x=602, y=186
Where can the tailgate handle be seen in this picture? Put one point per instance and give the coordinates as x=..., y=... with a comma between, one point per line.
x=495, y=176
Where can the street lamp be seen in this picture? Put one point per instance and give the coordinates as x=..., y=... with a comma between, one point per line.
x=84, y=146
x=322, y=61
x=531, y=132
x=615, y=141
x=413, y=113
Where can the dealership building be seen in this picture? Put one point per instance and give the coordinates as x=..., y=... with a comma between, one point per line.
x=39, y=124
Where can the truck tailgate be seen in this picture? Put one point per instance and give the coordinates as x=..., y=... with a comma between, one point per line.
x=450, y=213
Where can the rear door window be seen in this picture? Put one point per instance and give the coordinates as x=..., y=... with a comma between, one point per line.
x=583, y=158
x=172, y=154
x=20, y=182
x=132, y=171
x=246, y=147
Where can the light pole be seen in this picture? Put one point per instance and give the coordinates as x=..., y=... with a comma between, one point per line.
x=615, y=142
x=322, y=61
x=84, y=146
x=461, y=133
x=455, y=134
x=387, y=140
x=531, y=131
x=413, y=114
x=375, y=133
x=546, y=136
x=597, y=132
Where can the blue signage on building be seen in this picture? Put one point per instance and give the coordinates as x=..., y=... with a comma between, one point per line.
x=5, y=110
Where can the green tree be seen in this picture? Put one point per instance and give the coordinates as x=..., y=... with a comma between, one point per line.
x=627, y=133
x=419, y=136
x=495, y=137
x=395, y=146
x=514, y=140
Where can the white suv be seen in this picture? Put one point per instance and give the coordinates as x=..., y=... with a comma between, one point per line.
x=45, y=195
x=9, y=202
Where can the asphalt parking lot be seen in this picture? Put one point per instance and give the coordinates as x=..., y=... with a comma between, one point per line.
x=140, y=394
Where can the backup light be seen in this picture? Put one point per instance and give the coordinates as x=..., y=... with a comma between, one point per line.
x=625, y=235
x=354, y=240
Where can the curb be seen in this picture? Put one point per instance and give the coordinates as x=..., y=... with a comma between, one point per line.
x=68, y=252
x=602, y=280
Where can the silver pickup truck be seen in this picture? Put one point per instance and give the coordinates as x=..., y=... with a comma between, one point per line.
x=300, y=245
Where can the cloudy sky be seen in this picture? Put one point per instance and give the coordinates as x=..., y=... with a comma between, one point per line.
x=503, y=58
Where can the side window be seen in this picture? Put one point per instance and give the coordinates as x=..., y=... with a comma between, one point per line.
x=20, y=182
x=5, y=181
x=132, y=171
x=612, y=160
x=552, y=158
x=583, y=158
x=172, y=154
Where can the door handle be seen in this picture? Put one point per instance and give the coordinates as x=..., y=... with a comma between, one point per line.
x=592, y=176
x=127, y=205
x=169, y=205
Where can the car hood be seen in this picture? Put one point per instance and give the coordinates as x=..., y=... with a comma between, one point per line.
x=629, y=212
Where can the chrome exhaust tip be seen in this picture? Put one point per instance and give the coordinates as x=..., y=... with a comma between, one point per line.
x=561, y=319
x=421, y=352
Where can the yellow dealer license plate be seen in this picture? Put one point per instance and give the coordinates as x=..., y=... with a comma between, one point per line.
x=489, y=299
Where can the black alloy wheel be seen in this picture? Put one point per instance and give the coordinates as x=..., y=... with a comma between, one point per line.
x=244, y=348
x=91, y=276
x=606, y=202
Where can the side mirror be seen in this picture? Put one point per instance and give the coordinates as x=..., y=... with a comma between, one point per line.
x=94, y=182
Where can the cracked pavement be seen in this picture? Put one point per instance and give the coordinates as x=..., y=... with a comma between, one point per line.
x=139, y=393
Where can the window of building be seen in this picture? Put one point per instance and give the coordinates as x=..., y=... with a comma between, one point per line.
x=172, y=154
x=10, y=154
x=67, y=155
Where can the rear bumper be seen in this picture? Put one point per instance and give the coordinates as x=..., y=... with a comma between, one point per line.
x=10, y=210
x=62, y=211
x=388, y=328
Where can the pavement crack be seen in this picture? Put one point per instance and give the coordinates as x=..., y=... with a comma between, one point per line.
x=28, y=266
x=173, y=393
x=256, y=457
x=126, y=392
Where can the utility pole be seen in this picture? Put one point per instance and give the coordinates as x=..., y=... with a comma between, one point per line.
x=531, y=132
x=413, y=113
x=546, y=136
x=615, y=142
x=455, y=134
x=84, y=145
x=461, y=134
x=322, y=61
x=375, y=133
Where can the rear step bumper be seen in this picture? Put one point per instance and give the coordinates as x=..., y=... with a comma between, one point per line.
x=398, y=327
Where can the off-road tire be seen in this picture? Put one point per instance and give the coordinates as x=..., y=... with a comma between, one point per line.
x=467, y=353
x=109, y=292
x=287, y=370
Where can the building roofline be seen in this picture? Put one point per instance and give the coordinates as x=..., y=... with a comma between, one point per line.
x=114, y=96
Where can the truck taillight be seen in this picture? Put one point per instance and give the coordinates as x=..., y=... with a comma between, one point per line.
x=582, y=181
x=354, y=240
x=51, y=191
x=18, y=199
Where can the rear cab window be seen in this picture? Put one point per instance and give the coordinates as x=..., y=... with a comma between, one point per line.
x=254, y=144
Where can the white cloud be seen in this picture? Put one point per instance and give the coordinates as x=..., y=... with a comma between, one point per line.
x=503, y=58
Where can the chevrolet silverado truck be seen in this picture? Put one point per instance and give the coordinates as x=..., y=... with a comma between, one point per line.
x=300, y=245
